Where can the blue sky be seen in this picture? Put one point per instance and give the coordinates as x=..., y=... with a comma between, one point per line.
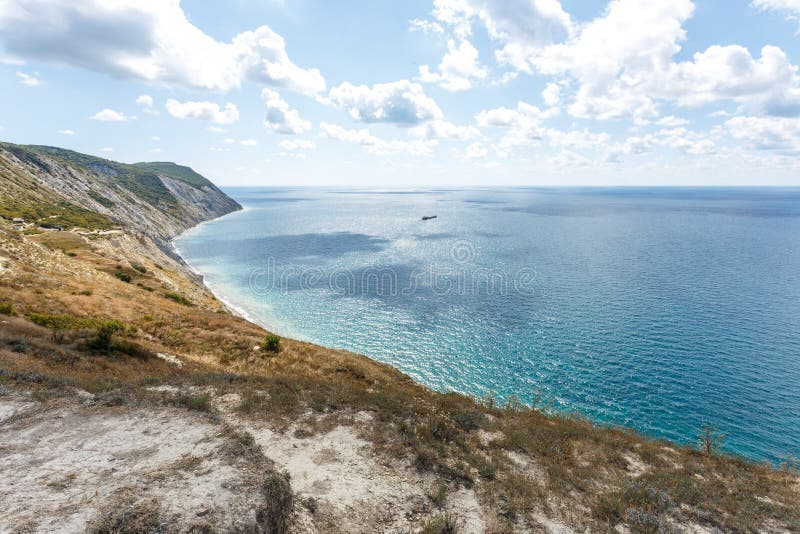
x=414, y=93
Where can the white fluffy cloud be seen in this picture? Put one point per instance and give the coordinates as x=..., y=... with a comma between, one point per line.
x=110, y=115
x=791, y=7
x=766, y=133
x=623, y=65
x=207, y=111
x=375, y=145
x=297, y=144
x=29, y=79
x=145, y=101
x=679, y=139
x=403, y=102
x=425, y=26
x=280, y=118
x=458, y=68
x=67, y=132
x=440, y=129
x=551, y=94
x=524, y=115
x=149, y=40
x=518, y=25
x=523, y=125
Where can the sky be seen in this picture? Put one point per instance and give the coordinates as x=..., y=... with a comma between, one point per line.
x=414, y=93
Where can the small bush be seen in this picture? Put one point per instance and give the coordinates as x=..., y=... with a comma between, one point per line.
x=468, y=419
x=310, y=504
x=487, y=468
x=272, y=343
x=443, y=524
x=131, y=349
x=102, y=339
x=439, y=496
x=132, y=517
x=6, y=308
x=710, y=439
x=61, y=321
x=177, y=297
x=197, y=403
x=19, y=345
x=275, y=514
x=125, y=277
x=139, y=267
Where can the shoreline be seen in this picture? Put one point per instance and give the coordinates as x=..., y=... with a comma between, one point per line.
x=232, y=308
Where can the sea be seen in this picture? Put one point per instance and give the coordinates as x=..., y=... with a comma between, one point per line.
x=660, y=309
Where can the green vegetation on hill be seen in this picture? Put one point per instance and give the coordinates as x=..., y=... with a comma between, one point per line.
x=177, y=172
x=143, y=183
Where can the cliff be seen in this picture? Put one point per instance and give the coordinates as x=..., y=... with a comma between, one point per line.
x=66, y=188
x=132, y=401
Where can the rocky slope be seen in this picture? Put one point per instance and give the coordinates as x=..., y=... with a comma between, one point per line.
x=157, y=200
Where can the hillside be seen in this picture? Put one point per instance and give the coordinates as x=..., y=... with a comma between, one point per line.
x=131, y=400
x=158, y=200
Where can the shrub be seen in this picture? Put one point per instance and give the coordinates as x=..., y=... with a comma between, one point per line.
x=139, y=267
x=310, y=504
x=275, y=514
x=6, y=308
x=128, y=516
x=19, y=345
x=710, y=439
x=443, y=524
x=487, y=468
x=468, y=419
x=198, y=403
x=177, y=297
x=103, y=336
x=440, y=496
x=125, y=277
x=132, y=349
x=272, y=343
x=61, y=322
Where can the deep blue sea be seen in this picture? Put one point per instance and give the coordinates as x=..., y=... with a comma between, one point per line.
x=656, y=308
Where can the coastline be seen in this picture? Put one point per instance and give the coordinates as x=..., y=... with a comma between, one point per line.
x=232, y=308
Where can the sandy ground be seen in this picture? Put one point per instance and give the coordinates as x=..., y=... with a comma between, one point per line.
x=59, y=465
x=63, y=462
x=354, y=489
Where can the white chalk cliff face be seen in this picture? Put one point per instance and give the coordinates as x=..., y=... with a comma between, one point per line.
x=159, y=200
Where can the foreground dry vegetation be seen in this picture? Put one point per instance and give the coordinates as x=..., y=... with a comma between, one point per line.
x=131, y=401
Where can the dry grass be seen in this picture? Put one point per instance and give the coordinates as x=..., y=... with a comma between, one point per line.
x=124, y=514
x=565, y=467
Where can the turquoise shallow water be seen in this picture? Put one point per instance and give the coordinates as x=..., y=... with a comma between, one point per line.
x=658, y=309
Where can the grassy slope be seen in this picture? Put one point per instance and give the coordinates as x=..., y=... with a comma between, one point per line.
x=178, y=172
x=144, y=183
x=535, y=463
x=22, y=197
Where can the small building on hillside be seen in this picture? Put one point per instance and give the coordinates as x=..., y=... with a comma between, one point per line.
x=18, y=220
